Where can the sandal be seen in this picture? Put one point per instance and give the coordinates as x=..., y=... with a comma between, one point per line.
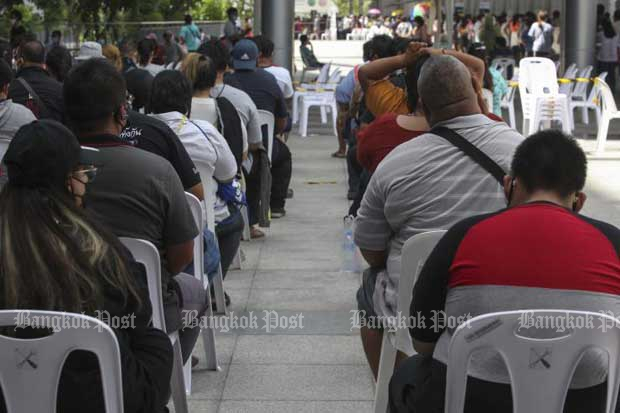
x=339, y=154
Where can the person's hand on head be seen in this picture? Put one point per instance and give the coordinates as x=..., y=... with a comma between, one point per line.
x=413, y=52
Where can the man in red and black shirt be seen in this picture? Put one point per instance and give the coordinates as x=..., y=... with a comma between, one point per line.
x=537, y=254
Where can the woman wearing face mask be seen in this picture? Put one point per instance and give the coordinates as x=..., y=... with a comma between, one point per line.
x=55, y=256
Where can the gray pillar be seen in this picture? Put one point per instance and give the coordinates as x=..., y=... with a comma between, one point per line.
x=579, y=45
x=257, y=20
x=449, y=19
x=277, y=24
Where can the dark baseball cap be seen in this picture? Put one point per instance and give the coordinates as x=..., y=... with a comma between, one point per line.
x=244, y=55
x=43, y=153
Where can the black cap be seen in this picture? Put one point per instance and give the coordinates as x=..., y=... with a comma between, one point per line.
x=43, y=153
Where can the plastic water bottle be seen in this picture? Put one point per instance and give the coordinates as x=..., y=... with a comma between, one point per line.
x=350, y=258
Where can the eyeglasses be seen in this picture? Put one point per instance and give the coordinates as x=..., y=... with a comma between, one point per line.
x=90, y=174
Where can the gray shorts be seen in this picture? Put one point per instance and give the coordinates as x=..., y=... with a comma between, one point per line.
x=364, y=297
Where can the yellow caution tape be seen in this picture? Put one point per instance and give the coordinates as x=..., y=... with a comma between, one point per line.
x=582, y=80
x=564, y=80
x=513, y=84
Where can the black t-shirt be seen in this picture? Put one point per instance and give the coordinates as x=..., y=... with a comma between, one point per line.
x=262, y=87
x=153, y=135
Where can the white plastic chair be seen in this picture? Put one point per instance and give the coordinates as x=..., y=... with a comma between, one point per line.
x=209, y=189
x=266, y=118
x=609, y=112
x=488, y=98
x=413, y=255
x=540, y=97
x=146, y=254
x=501, y=64
x=533, y=389
x=208, y=334
x=592, y=101
x=567, y=82
x=325, y=101
x=580, y=93
x=508, y=103
x=30, y=368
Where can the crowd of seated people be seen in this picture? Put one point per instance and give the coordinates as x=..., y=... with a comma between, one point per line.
x=427, y=153
x=146, y=128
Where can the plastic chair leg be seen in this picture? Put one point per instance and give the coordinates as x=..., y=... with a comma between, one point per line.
x=585, y=115
x=511, y=116
x=187, y=376
x=323, y=114
x=386, y=369
x=208, y=338
x=334, y=111
x=295, y=110
x=303, y=122
x=236, y=262
x=218, y=286
x=601, y=137
x=177, y=385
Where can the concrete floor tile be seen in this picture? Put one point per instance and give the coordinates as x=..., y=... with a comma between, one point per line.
x=229, y=406
x=286, y=382
x=299, y=349
x=322, y=298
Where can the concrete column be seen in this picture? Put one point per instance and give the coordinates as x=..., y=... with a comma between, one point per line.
x=277, y=24
x=258, y=22
x=449, y=19
x=579, y=44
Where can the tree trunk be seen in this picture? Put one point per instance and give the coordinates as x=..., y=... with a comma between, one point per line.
x=350, y=7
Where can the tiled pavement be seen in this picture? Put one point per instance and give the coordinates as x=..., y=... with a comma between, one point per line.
x=294, y=270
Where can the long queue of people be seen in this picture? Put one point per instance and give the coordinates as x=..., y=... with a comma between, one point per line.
x=109, y=150
x=425, y=152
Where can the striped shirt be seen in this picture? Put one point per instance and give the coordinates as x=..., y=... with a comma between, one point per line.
x=428, y=184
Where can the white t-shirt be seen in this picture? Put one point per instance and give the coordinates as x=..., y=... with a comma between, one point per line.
x=204, y=109
x=284, y=80
x=152, y=69
x=608, y=51
x=542, y=35
x=211, y=149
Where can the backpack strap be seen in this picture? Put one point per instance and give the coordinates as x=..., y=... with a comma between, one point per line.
x=472, y=151
x=33, y=95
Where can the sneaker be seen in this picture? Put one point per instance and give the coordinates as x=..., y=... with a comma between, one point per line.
x=277, y=212
x=290, y=193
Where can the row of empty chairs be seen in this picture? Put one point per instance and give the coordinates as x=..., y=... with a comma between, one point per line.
x=318, y=94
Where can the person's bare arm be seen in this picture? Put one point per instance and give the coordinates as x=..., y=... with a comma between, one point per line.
x=376, y=259
x=197, y=190
x=280, y=124
x=179, y=256
x=475, y=65
x=380, y=68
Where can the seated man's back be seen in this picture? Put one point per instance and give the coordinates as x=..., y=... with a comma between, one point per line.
x=427, y=184
x=538, y=254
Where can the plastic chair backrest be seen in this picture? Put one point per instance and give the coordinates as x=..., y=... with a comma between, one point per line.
x=569, y=73
x=209, y=187
x=145, y=253
x=537, y=75
x=244, y=133
x=488, y=97
x=608, y=102
x=595, y=91
x=414, y=253
x=334, y=77
x=198, y=213
x=581, y=87
x=324, y=73
x=540, y=369
x=30, y=368
x=266, y=118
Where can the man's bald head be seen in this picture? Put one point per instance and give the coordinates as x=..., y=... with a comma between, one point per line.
x=32, y=52
x=446, y=90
